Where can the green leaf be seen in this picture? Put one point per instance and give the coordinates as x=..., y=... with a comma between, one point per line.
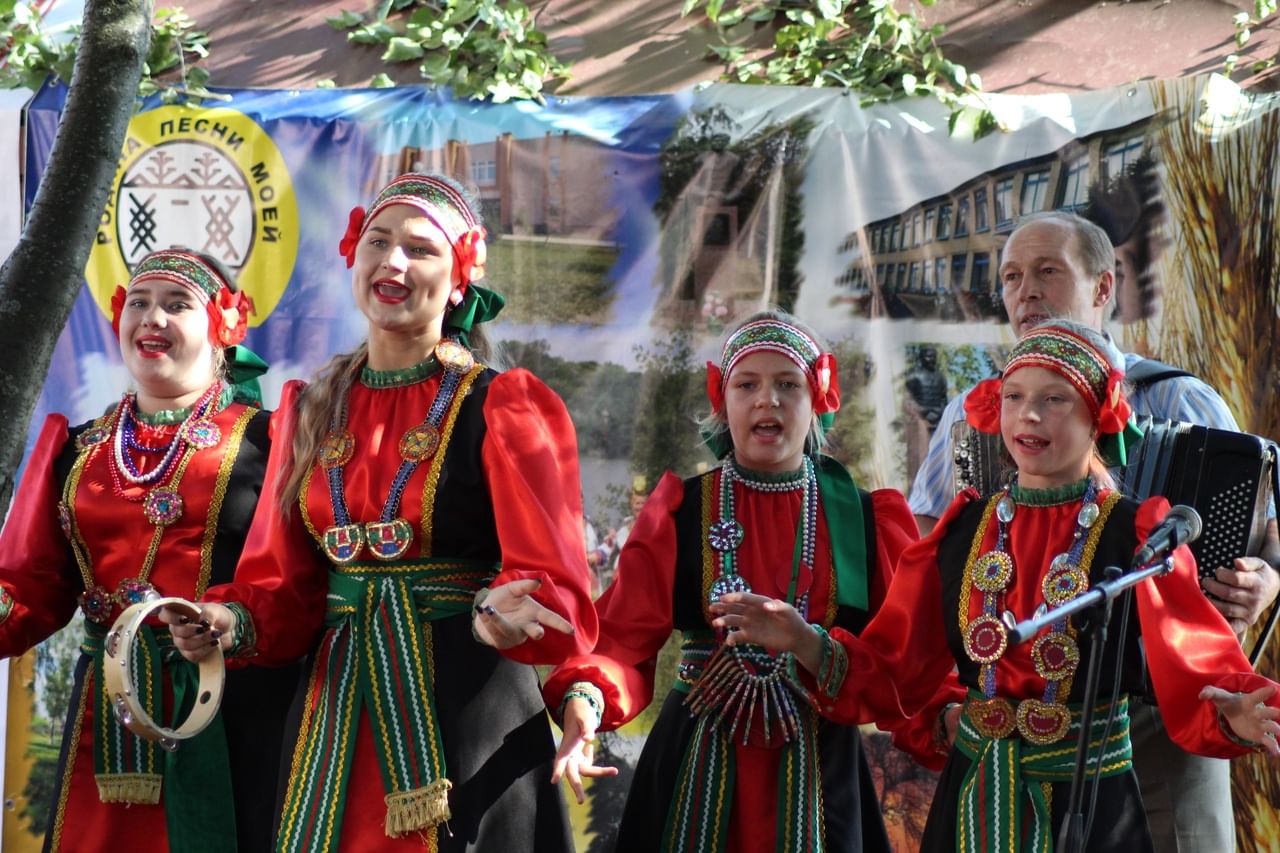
x=501, y=91
x=345, y=20
x=909, y=84
x=713, y=10
x=760, y=14
x=1240, y=19
x=975, y=81
x=832, y=10
x=401, y=49
x=1242, y=37
x=689, y=6
x=325, y=83
x=1229, y=64
x=382, y=81
x=435, y=67
x=530, y=80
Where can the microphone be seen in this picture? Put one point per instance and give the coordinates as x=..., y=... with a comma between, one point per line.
x=1180, y=526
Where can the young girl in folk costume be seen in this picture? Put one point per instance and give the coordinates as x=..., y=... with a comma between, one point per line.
x=744, y=755
x=157, y=494
x=426, y=509
x=1042, y=541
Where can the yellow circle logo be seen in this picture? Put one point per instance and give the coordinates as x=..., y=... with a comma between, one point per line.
x=211, y=180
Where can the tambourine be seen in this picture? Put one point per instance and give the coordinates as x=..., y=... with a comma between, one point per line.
x=121, y=685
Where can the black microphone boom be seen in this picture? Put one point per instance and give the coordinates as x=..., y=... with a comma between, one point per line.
x=1180, y=526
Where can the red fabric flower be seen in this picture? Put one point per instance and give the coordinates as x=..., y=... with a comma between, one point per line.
x=982, y=406
x=117, y=308
x=471, y=253
x=714, y=392
x=229, y=317
x=1115, y=410
x=825, y=379
x=347, y=245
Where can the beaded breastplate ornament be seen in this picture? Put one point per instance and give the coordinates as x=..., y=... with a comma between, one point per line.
x=390, y=536
x=156, y=489
x=738, y=679
x=1055, y=653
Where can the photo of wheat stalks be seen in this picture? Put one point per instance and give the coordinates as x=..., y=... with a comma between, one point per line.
x=1220, y=152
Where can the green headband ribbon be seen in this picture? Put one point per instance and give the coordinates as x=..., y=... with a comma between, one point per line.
x=479, y=305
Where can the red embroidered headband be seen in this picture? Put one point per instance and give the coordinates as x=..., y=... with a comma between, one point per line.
x=228, y=310
x=771, y=335
x=1072, y=357
x=440, y=202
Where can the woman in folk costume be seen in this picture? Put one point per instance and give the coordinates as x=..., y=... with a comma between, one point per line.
x=434, y=504
x=1042, y=541
x=157, y=494
x=744, y=755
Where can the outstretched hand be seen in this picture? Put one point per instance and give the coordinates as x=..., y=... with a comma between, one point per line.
x=196, y=638
x=509, y=615
x=1248, y=715
x=576, y=756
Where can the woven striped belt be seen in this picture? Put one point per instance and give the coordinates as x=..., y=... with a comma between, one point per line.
x=1008, y=784
x=698, y=818
x=376, y=653
x=129, y=769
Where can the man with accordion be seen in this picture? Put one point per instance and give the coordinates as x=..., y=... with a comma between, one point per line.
x=1060, y=265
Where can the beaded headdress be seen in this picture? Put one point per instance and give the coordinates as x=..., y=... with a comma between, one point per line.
x=1071, y=356
x=228, y=310
x=779, y=336
x=440, y=202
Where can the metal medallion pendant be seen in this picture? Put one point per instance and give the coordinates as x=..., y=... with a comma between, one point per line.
x=97, y=604
x=202, y=433
x=992, y=571
x=1005, y=509
x=454, y=357
x=726, y=584
x=389, y=539
x=419, y=443
x=725, y=535
x=993, y=718
x=162, y=507
x=337, y=448
x=986, y=639
x=342, y=542
x=1056, y=656
x=1064, y=582
x=1043, y=723
x=64, y=518
x=132, y=591
x=93, y=435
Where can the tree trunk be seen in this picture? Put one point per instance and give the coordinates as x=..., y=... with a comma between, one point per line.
x=41, y=279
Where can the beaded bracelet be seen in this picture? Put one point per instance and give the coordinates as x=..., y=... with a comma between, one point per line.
x=834, y=665
x=1225, y=728
x=244, y=639
x=588, y=692
x=941, y=742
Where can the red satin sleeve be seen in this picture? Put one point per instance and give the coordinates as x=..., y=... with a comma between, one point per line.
x=37, y=568
x=1189, y=645
x=280, y=579
x=896, y=530
x=635, y=615
x=530, y=459
x=901, y=658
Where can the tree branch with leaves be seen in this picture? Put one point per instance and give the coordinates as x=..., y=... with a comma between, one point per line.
x=867, y=46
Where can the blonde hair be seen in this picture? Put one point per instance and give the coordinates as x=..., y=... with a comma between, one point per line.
x=313, y=411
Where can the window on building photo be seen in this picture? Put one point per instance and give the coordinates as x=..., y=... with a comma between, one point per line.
x=962, y=218
x=944, y=221
x=484, y=172
x=980, y=211
x=1035, y=191
x=958, y=265
x=928, y=225
x=1074, y=193
x=1117, y=156
x=980, y=279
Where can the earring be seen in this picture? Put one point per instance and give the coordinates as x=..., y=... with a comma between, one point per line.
x=455, y=298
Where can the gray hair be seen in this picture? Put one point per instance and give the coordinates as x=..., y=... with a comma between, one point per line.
x=1094, y=246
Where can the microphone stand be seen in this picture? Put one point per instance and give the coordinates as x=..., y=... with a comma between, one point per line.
x=1097, y=601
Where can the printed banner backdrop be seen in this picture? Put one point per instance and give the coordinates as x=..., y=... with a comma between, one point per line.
x=627, y=233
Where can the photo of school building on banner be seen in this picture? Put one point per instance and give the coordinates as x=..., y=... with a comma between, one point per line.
x=627, y=234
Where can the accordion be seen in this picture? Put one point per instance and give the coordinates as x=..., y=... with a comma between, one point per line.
x=1227, y=477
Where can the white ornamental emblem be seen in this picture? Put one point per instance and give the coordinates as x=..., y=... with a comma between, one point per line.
x=185, y=193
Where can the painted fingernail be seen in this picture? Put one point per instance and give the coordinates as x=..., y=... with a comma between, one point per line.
x=184, y=620
x=488, y=609
x=215, y=633
x=214, y=643
x=200, y=630
x=479, y=609
x=204, y=623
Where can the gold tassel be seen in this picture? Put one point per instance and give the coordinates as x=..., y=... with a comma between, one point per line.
x=129, y=788
x=420, y=808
